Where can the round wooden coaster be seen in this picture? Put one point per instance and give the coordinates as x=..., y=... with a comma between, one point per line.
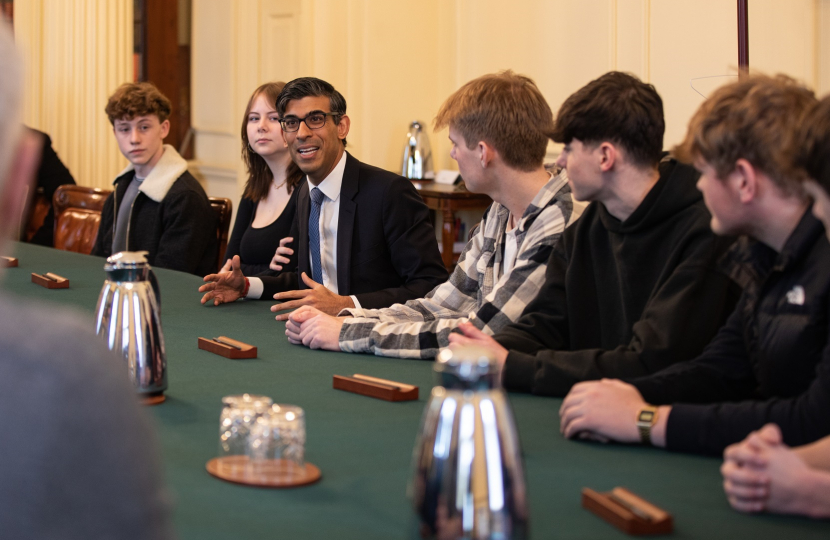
x=152, y=399
x=275, y=473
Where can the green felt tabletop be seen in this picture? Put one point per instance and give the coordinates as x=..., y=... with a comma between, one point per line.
x=363, y=446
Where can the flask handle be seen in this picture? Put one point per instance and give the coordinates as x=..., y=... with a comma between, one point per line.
x=155, y=284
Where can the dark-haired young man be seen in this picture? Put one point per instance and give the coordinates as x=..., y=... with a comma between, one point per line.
x=770, y=363
x=364, y=236
x=157, y=205
x=633, y=285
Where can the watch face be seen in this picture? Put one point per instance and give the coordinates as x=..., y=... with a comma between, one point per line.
x=646, y=416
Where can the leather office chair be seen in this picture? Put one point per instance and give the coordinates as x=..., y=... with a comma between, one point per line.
x=224, y=209
x=77, y=217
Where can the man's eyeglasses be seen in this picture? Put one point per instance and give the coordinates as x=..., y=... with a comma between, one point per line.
x=315, y=120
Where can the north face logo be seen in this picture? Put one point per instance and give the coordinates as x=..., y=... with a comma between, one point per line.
x=796, y=296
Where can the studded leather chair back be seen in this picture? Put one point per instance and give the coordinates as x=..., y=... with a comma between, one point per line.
x=77, y=217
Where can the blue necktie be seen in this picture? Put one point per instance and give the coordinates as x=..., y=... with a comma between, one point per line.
x=314, y=235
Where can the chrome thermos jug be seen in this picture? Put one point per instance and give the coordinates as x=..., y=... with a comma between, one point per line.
x=417, y=154
x=129, y=320
x=468, y=478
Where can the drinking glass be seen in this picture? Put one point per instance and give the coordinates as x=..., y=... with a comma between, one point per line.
x=239, y=414
x=276, y=444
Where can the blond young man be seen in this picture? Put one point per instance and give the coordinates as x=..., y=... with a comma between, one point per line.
x=157, y=205
x=499, y=127
x=770, y=362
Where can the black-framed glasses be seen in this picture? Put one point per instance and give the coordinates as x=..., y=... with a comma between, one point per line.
x=315, y=120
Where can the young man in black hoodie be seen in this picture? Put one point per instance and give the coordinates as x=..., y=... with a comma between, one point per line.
x=771, y=361
x=633, y=285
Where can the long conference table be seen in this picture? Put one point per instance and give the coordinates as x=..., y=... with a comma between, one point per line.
x=363, y=446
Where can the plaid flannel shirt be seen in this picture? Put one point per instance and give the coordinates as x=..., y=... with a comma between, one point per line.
x=476, y=290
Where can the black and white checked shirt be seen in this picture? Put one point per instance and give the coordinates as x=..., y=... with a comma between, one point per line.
x=476, y=291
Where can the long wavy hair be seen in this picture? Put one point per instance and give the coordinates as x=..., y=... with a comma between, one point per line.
x=259, y=174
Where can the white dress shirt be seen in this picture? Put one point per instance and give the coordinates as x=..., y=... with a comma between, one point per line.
x=329, y=216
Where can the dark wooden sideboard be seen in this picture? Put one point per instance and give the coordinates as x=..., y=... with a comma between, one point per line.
x=446, y=200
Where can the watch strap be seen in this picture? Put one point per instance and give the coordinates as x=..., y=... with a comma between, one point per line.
x=646, y=419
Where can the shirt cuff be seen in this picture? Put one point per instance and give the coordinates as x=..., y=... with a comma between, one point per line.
x=354, y=299
x=256, y=288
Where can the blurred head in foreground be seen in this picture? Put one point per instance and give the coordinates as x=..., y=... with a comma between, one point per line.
x=19, y=150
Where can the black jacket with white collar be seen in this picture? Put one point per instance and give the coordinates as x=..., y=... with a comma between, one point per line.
x=171, y=218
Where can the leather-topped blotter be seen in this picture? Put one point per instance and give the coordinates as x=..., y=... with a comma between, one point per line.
x=8, y=262
x=375, y=387
x=50, y=280
x=227, y=347
x=627, y=512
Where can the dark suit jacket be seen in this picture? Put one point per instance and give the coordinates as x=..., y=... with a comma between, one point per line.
x=51, y=174
x=387, y=252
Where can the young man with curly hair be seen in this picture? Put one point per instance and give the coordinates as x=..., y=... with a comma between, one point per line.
x=157, y=205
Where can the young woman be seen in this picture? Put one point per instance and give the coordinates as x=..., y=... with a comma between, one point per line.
x=267, y=208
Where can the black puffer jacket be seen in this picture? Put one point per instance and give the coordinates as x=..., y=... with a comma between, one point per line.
x=178, y=229
x=769, y=363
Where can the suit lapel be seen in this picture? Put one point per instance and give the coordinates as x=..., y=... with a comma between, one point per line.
x=303, y=209
x=345, y=224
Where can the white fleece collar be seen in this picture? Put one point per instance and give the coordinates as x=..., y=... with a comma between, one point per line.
x=169, y=168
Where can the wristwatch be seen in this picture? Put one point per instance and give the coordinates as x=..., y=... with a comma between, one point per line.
x=646, y=418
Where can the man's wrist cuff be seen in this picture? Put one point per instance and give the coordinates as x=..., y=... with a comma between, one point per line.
x=247, y=288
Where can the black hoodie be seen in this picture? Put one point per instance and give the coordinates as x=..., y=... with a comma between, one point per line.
x=624, y=299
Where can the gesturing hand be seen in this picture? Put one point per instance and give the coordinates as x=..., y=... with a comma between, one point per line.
x=226, y=267
x=225, y=287
x=282, y=255
x=311, y=327
x=317, y=296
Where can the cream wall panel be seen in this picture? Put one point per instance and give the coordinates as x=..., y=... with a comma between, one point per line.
x=237, y=46
x=393, y=84
x=279, y=57
x=213, y=107
x=630, y=20
x=562, y=45
x=77, y=52
x=398, y=61
x=783, y=38
x=823, y=44
x=690, y=40
x=211, y=67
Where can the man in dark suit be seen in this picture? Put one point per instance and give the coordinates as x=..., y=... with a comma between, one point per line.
x=51, y=174
x=364, y=234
